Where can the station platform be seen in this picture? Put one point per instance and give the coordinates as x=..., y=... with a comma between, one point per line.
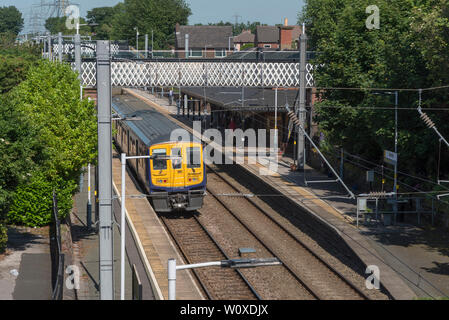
x=153, y=243
x=411, y=264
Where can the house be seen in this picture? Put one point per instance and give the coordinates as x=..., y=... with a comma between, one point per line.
x=244, y=39
x=267, y=37
x=204, y=41
x=283, y=37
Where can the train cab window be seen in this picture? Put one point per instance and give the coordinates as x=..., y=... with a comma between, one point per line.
x=159, y=164
x=176, y=162
x=193, y=157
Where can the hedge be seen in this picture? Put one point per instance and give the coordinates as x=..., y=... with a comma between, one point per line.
x=3, y=237
x=33, y=202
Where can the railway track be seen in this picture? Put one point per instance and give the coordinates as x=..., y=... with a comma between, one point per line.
x=197, y=245
x=319, y=278
x=314, y=273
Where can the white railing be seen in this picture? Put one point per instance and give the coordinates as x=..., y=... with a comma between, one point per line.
x=87, y=48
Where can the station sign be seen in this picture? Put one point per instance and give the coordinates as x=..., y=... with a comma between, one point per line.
x=390, y=157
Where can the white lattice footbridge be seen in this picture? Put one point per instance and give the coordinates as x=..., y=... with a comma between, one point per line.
x=199, y=74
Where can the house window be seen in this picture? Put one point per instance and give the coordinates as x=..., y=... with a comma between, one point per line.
x=267, y=45
x=196, y=53
x=220, y=53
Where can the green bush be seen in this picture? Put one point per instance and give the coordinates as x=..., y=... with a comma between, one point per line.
x=3, y=238
x=33, y=202
x=246, y=46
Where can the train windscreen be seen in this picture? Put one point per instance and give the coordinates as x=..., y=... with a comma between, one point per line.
x=159, y=164
x=193, y=157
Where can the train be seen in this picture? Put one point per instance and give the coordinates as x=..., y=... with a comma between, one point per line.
x=175, y=175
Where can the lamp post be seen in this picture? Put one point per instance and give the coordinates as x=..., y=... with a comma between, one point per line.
x=78, y=45
x=229, y=43
x=124, y=157
x=276, y=120
x=137, y=40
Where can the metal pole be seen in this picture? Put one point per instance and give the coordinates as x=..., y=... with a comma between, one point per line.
x=146, y=46
x=186, y=46
x=105, y=171
x=89, y=200
x=49, y=48
x=302, y=98
x=122, y=231
x=60, y=47
x=152, y=43
x=172, y=279
x=276, y=120
x=396, y=152
x=342, y=163
x=78, y=54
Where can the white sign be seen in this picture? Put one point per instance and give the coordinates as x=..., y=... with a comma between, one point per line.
x=390, y=157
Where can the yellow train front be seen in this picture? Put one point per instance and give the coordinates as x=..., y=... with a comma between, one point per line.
x=177, y=180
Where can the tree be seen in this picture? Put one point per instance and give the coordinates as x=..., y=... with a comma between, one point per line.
x=103, y=16
x=58, y=24
x=20, y=151
x=65, y=129
x=352, y=56
x=15, y=61
x=19, y=148
x=159, y=16
x=431, y=24
x=10, y=20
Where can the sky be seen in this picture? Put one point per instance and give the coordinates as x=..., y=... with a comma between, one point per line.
x=203, y=11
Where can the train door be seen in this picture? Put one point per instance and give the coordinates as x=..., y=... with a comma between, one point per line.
x=194, y=170
x=160, y=173
x=177, y=176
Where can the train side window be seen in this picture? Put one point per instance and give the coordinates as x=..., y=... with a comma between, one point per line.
x=193, y=157
x=176, y=162
x=159, y=164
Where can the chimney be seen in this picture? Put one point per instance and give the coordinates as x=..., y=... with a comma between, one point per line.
x=285, y=36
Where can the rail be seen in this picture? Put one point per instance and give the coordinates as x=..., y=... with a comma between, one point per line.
x=308, y=249
x=209, y=293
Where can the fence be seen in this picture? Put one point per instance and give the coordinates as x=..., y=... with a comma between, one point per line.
x=57, y=255
x=136, y=284
x=353, y=169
